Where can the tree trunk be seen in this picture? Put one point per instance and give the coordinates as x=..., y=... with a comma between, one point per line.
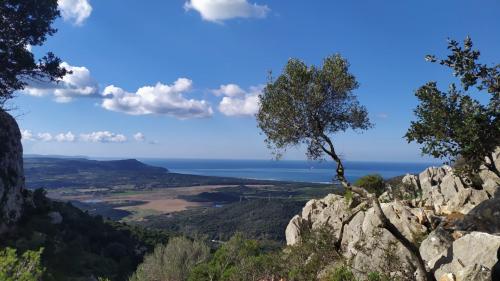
x=423, y=275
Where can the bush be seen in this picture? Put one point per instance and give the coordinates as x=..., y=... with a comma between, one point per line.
x=372, y=183
x=20, y=268
x=173, y=262
x=341, y=274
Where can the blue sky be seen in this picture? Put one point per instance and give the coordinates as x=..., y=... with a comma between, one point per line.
x=148, y=74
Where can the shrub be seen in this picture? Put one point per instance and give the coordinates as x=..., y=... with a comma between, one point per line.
x=172, y=262
x=20, y=268
x=372, y=183
x=342, y=273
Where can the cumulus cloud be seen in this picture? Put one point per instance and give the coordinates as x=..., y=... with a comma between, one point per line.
x=65, y=137
x=77, y=84
x=160, y=99
x=220, y=10
x=238, y=102
x=139, y=136
x=103, y=136
x=27, y=135
x=76, y=11
x=44, y=137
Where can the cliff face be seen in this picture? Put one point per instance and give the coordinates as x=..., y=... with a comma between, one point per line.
x=456, y=225
x=12, y=193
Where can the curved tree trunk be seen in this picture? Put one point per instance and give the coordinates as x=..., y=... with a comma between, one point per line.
x=423, y=275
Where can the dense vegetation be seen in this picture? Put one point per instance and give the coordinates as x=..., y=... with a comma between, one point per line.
x=75, y=245
x=242, y=259
x=260, y=219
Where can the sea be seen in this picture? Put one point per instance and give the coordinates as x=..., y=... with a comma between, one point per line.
x=286, y=170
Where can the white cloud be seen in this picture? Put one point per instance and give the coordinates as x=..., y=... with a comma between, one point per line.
x=383, y=115
x=229, y=90
x=76, y=11
x=27, y=135
x=103, y=136
x=139, y=136
x=160, y=99
x=77, y=84
x=65, y=137
x=45, y=137
x=238, y=102
x=220, y=10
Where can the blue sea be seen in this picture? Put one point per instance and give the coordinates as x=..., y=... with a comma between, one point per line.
x=303, y=171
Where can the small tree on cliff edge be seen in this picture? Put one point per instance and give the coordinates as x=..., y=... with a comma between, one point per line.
x=306, y=105
x=453, y=124
x=25, y=23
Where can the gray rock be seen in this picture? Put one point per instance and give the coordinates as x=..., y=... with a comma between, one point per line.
x=369, y=247
x=332, y=210
x=293, y=230
x=435, y=245
x=474, y=272
x=475, y=248
x=485, y=217
x=55, y=218
x=11, y=172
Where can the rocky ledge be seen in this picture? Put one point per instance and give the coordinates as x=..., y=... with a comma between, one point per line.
x=455, y=224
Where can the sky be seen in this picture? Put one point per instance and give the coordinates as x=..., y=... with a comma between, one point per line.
x=180, y=78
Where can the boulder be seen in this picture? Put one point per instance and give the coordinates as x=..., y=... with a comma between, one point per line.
x=332, y=210
x=369, y=247
x=293, y=230
x=476, y=248
x=435, y=245
x=484, y=217
x=12, y=195
x=55, y=218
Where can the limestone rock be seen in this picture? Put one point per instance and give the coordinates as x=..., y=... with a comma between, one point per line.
x=332, y=210
x=55, y=218
x=11, y=172
x=293, y=230
x=435, y=245
x=484, y=217
x=368, y=247
x=475, y=248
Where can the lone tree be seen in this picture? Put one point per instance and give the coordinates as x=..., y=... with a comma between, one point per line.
x=306, y=106
x=453, y=124
x=25, y=23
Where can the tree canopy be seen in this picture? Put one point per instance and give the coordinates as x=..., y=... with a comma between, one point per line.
x=453, y=124
x=25, y=23
x=306, y=105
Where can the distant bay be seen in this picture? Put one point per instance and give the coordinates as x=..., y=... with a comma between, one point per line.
x=285, y=170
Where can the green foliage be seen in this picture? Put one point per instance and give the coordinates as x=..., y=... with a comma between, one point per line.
x=172, y=262
x=305, y=104
x=376, y=276
x=341, y=274
x=230, y=261
x=260, y=219
x=348, y=196
x=306, y=259
x=82, y=245
x=26, y=267
x=372, y=183
x=453, y=124
x=23, y=23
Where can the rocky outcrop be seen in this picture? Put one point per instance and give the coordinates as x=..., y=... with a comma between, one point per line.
x=11, y=172
x=456, y=225
x=470, y=255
